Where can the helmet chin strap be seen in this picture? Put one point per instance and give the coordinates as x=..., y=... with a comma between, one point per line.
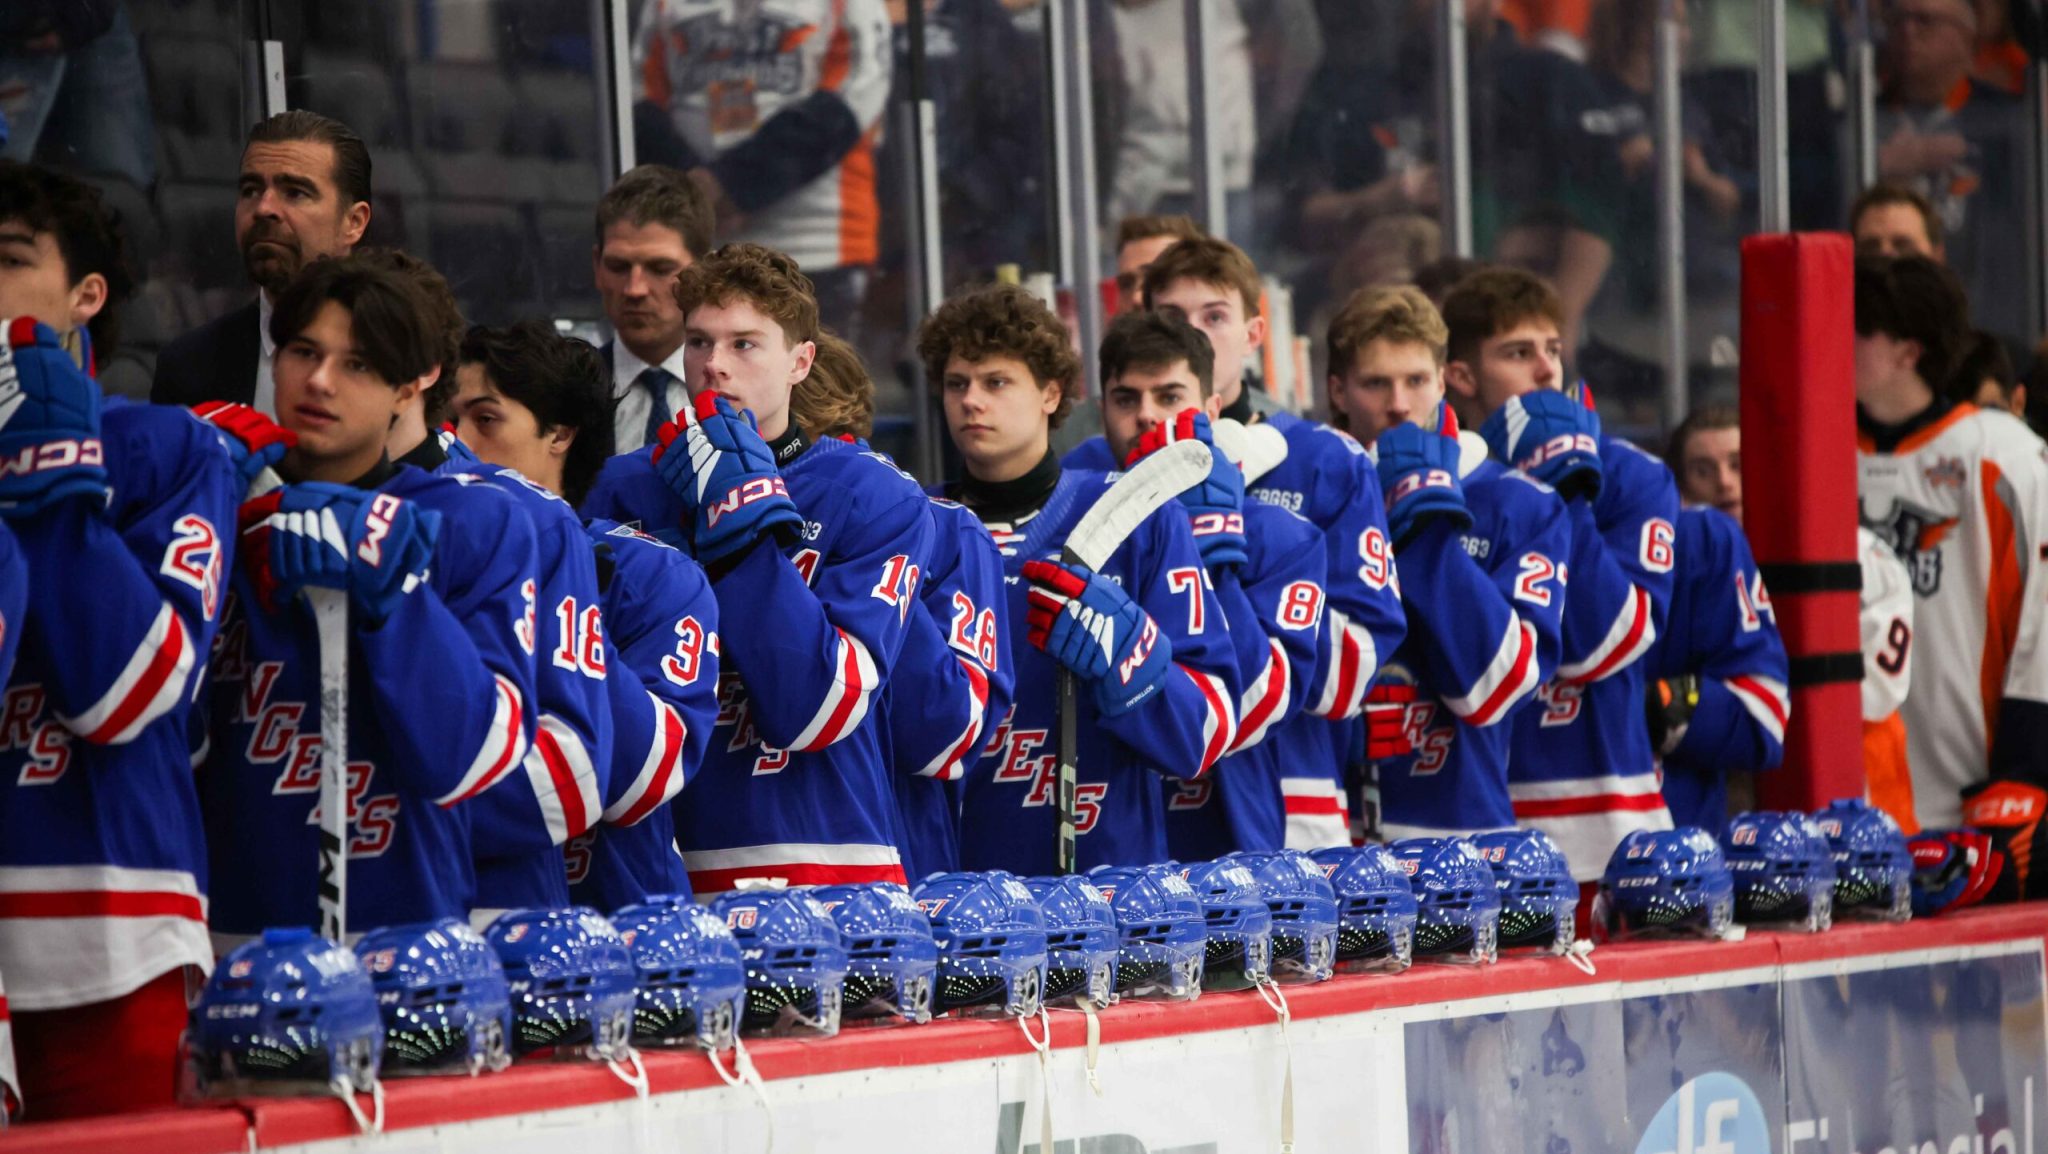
x=636, y=1076
x=372, y=1123
x=1044, y=1047
x=1270, y=993
x=745, y=1074
x=1581, y=955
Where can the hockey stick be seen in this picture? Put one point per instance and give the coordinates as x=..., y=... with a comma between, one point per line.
x=1141, y=491
x=1255, y=449
x=330, y=619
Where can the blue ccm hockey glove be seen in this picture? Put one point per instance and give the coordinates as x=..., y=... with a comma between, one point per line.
x=460, y=456
x=1418, y=471
x=1216, y=505
x=1551, y=437
x=377, y=546
x=717, y=463
x=254, y=441
x=1091, y=626
x=49, y=423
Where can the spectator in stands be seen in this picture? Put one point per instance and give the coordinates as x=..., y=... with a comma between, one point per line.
x=72, y=91
x=1705, y=454
x=413, y=439
x=1139, y=241
x=1437, y=278
x=303, y=193
x=775, y=113
x=651, y=225
x=1893, y=220
x=1961, y=144
x=1984, y=376
x=1152, y=173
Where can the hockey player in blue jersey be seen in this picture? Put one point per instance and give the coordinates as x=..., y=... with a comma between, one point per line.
x=442, y=581
x=13, y=592
x=1582, y=767
x=1481, y=549
x=532, y=401
x=123, y=515
x=1717, y=698
x=814, y=547
x=1264, y=563
x=1145, y=637
x=952, y=680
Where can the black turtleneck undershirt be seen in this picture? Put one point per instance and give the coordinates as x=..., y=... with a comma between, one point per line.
x=1007, y=501
x=1887, y=437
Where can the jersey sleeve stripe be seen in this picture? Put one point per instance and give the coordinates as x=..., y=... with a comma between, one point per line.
x=1310, y=796
x=952, y=764
x=661, y=773
x=1765, y=699
x=802, y=864
x=101, y=904
x=1264, y=701
x=152, y=683
x=1630, y=636
x=846, y=703
x=1218, y=726
x=1351, y=658
x=504, y=746
x=1510, y=677
x=564, y=780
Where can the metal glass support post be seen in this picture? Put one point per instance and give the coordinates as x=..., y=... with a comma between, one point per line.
x=614, y=58
x=1454, y=127
x=1670, y=136
x=917, y=122
x=1080, y=251
x=1862, y=97
x=1774, y=188
x=263, y=93
x=2038, y=219
x=1205, y=156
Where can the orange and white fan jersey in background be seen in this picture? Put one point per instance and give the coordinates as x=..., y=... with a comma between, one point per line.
x=1885, y=618
x=1964, y=504
x=815, y=73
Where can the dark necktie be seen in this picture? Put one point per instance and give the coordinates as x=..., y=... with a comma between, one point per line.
x=655, y=380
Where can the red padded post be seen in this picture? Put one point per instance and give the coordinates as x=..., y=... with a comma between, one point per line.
x=1799, y=497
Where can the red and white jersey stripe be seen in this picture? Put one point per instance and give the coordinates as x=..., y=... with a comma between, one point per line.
x=1589, y=816
x=1316, y=815
x=1219, y=723
x=564, y=780
x=1354, y=662
x=74, y=935
x=1509, y=677
x=10, y=1080
x=846, y=702
x=951, y=765
x=1265, y=699
x=150, y=684
x=661, y=772
x=1765, y=698
x=1630, y=636
x=504, y=745
x=713, y=872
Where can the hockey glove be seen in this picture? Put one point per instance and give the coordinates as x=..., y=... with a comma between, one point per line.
x=1090, y=625
x=49, y=424
x=1386, y=721
x=1215, y=506
x=1952, y=869
x=377, y=546
x=1418, y=470
x=254, y=441
x=1551, y=437
x=459, y=455
x=1669, y=703
x=2010, y=812
x=717, y=463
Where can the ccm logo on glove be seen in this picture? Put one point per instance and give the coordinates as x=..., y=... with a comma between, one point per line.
x=757, y=489
x=49, y=455
x=1418, y=481
x=1561, y=445
x=1139, y=652
x=377, y=526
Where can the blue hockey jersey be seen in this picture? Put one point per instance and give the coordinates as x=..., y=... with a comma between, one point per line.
x=953, y=676
x=517, y=830
x=663, y=623
x=1275, y=607
x=13, y=592
x=1582, y=769
x=1723, y=629
x=1009, y=814
x=102, y=859
x=795, y=784
x=1485, y=617
x=441, y=708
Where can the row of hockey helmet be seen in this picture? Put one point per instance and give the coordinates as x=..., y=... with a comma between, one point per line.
x=1667, y=883
x=572, y=982
x=991, y=940
x=1162, y=933
x=285, y=1011
x=1539, y=900
x=1375, y=907
x=1457, y=899
x=1080, y=941
x=1873, y=866
x=1239, y=953
x=794, y=959
x=442, y=993
x=693, y=977
x=892, y=961
x=1783, y=870
x=1303, y=906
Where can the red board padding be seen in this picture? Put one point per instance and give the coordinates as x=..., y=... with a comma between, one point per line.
x=224, y=1128
x=1799, y=483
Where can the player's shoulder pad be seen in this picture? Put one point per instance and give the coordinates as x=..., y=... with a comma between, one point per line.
x=1091, y=455
x=611, y=532
x=1707, y=536
x=1632, y=465
x=858, y=482
x=479, y=520
x=164, y=432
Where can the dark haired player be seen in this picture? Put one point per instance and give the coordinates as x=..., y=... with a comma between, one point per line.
x=123, y=515
x=534, y=403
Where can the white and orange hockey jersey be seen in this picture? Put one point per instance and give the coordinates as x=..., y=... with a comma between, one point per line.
x=1964, y=504
x=1885, y=619
x=782, y=100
